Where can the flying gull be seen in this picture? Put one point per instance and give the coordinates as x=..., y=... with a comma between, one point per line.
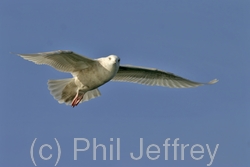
x=89, y=74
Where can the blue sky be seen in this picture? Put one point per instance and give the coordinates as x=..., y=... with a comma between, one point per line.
x=199, y=40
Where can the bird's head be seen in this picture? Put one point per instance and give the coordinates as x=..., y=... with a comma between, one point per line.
x=110, y=62
x=113, y=59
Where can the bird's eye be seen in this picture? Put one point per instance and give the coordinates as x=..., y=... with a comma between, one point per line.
x=118, y=60
x=109, y=58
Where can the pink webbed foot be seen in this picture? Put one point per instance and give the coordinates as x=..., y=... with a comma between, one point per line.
x=77, y=100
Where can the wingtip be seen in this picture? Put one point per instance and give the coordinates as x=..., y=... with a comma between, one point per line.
x=18, y=54
x=213, y=81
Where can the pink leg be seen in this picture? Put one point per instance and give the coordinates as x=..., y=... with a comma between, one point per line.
x=77, y=99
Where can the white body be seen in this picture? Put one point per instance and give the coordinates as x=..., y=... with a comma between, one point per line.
x=102, y=71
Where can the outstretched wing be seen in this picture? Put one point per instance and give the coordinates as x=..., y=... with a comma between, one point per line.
x=65, y=61
x=154, y=77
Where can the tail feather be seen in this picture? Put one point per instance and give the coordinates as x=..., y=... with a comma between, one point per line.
x=90, y=95
x=65, y=90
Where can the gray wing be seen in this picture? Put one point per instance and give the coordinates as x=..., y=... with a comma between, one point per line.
x=65, y=61
x=154, y=77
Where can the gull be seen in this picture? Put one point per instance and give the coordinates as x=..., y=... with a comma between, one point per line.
x=89, y=74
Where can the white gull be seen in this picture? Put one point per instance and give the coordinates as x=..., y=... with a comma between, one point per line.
x=89, y=74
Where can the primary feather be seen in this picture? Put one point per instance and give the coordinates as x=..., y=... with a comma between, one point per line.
x=154, y=77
